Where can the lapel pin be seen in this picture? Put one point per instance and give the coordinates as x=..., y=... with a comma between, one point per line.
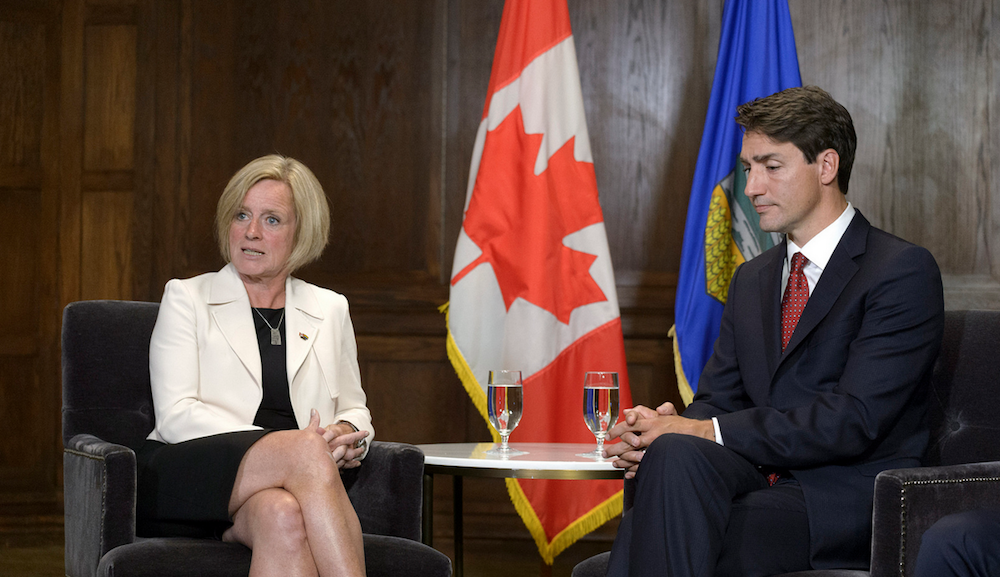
x=304, y=336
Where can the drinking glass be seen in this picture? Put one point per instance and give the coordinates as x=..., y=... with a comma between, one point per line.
x=600, y=407
x=504, y=402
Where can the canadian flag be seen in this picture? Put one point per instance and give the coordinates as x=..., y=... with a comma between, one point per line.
x=532, y=287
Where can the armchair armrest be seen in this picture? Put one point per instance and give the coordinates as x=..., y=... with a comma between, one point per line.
x=386, y=490
x=99, y=495
x=909, y=501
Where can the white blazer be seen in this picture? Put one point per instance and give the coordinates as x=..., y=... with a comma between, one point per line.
x=204, y=360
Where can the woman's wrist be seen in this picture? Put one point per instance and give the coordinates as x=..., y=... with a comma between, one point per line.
x=360, y=444
x=349, y=424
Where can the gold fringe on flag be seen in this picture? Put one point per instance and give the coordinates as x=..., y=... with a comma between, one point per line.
x=683, y=386
x=599, y=515
x=465, y=374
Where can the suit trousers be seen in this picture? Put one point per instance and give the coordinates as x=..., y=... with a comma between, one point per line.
x=963, y=544
x=702, y=510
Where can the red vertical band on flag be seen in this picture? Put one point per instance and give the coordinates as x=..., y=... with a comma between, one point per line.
x=527, y=29
x=553, y=397
x=553, y=410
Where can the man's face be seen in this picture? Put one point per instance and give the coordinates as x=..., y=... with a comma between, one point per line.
x=785, y=190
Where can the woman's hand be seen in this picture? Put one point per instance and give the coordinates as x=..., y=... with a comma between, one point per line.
x=342, y=440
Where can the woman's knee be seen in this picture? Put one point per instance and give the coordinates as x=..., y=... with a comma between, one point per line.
x=279, y=515
x=271, y=516
x=310, y=445
x=315, y=458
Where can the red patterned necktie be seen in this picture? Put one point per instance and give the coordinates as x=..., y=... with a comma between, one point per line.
x=796, y=295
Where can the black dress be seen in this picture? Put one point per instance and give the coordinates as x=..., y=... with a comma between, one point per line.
x=183, y=489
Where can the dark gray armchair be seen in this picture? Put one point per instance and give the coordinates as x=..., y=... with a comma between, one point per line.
x=107, y=413
x=961, y=468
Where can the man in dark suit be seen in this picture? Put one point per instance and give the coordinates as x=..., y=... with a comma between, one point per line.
x=965, y=544
x=816, y=383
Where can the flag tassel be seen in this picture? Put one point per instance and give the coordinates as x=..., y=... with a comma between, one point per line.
x=609, y=509
x=683, y=386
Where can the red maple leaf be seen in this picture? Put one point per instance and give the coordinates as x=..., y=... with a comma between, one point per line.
x=519, y=220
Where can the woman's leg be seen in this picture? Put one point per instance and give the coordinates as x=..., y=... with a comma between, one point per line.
x=299, y=462
x=271, y=524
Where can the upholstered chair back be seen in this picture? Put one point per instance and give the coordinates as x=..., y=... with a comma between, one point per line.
x=105, y=356
x=965, y=391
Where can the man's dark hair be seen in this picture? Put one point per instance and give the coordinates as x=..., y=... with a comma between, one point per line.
x=809, y=118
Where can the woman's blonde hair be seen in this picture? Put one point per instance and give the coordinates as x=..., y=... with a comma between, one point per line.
x=312, y=212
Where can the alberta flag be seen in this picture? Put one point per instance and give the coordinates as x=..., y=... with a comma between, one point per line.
x=756, y=58
x=532, y=287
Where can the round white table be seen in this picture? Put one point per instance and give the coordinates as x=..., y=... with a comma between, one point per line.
x=539, y=461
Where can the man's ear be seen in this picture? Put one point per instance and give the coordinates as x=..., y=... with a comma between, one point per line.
x=829, y=165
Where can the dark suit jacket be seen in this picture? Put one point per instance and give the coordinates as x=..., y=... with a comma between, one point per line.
x=847, y=398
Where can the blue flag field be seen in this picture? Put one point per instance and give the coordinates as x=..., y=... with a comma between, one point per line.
x=756, y=58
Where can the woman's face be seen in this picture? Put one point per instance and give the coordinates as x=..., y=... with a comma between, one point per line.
x=262, y=234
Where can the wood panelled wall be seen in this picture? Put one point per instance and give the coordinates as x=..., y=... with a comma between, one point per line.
x=122, y=120
x=30, y=197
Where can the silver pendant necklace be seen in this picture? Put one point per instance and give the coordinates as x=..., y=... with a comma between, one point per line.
x=275, y=332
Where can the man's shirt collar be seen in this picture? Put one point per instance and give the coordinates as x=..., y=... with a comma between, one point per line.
x=820, y=248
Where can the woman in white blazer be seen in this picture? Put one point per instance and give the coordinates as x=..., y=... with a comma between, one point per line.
x=257, y=391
